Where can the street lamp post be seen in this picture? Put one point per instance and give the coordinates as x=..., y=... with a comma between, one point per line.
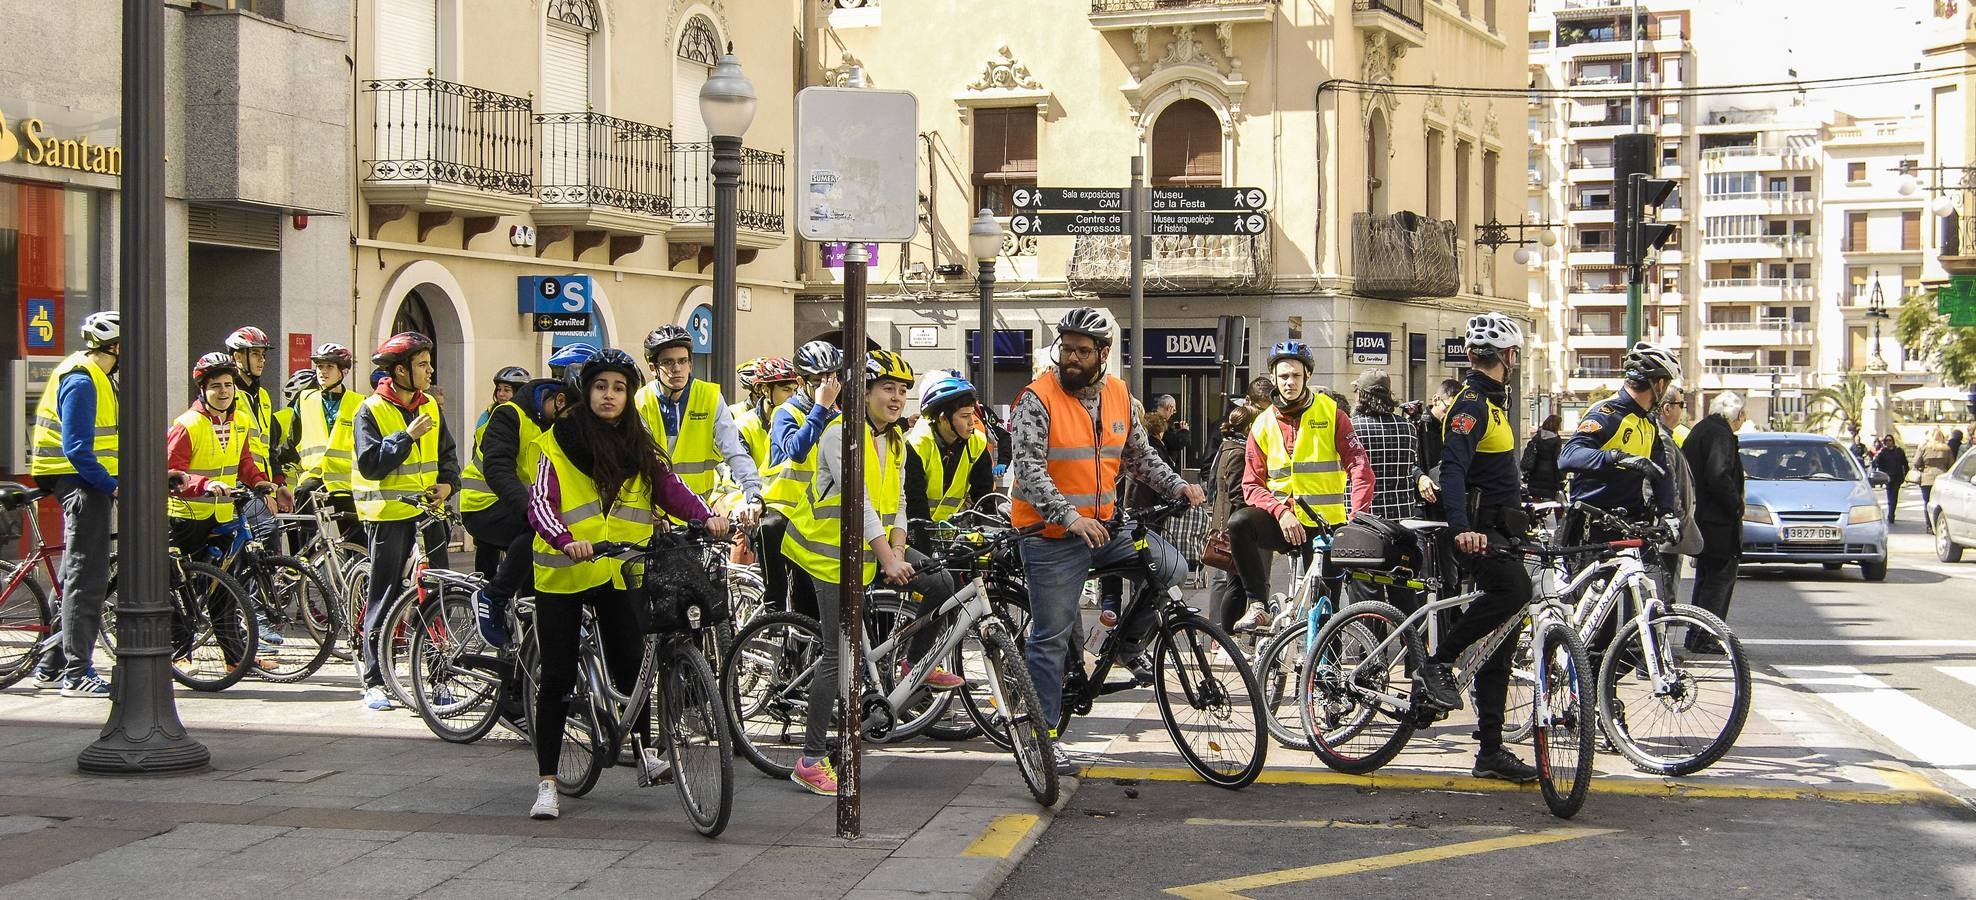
x=984, y=240
x=727, y=105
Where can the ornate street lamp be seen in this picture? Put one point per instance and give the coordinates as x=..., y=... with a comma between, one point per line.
x=984, y=240
x=727, y=105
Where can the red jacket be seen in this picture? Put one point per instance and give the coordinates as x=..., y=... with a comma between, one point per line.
x=1358, y=468
x=178, y=456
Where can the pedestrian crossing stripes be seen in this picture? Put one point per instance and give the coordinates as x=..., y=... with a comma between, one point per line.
x=1859, y=642
x=1933, y=737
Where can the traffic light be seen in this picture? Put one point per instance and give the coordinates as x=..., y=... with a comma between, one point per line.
x=1633, y=156
x=1648, y=235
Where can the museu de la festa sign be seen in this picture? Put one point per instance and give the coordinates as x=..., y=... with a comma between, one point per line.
x=32, y=144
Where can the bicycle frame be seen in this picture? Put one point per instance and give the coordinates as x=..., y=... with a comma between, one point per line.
x=1631, y=593
x=972, y=602
x=623, y=707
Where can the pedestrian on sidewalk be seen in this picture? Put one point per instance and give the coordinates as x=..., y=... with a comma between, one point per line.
x=1714, y=456
x=1932, y=460
x=1892, y=460
x=1224, y=483
x=1955, y=444
x=1689, y=540
x=1541, y=478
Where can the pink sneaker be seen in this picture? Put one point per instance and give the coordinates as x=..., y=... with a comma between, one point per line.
x=939, y=679
x=817, y=776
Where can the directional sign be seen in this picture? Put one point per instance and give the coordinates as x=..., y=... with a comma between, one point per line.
x=1068, y=198
x=1208, y=199
x=1111, y=223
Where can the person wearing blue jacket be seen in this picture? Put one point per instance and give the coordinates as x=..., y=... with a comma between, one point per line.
x=1616, y=458
x=793, y=431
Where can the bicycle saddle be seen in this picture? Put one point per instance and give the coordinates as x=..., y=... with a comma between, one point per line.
x=1422, y=525
x=13, y=495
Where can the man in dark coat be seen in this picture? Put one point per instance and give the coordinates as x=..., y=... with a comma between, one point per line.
x=1715, y=458
x=1892, y=460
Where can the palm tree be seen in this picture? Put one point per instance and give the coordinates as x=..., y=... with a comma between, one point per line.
x=1843, y=404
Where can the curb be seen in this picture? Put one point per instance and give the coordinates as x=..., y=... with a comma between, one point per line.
x=983, y=834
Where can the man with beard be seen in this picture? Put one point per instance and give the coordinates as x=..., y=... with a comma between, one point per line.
x=1073, y=432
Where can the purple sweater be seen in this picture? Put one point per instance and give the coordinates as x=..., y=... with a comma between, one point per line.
x=545, y=502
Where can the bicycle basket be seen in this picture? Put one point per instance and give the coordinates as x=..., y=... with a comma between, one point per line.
x=1370, y=542
x=675, y=579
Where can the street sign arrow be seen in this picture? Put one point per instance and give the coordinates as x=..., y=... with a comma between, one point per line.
x=1208, y=199
x=1098, y=198
x=1170, y=223
x=1058, y=223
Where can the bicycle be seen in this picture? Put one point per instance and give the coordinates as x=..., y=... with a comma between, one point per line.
x=297, y=612
x=429, y=598
x=1639, y=672
x=342, y=564
x=1198, y=670
x=766, y=679
x=29, y=620
x=1300, y=613
x=1356, y=698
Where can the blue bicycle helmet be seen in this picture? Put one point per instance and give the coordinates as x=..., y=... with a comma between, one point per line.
x=1292, y=349
x=944, y=395
x=819, y=358
x=572, y=355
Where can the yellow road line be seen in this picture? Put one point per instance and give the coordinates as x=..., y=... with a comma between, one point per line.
x=1340, y=823
x=1912, y=790
x=1226, y=888
x=1001, y=836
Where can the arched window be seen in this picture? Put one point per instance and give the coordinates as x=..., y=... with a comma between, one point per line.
x=1376, y=171
x=1187, y=146
x=693, y=61
x=415, y=315
x=566, y=99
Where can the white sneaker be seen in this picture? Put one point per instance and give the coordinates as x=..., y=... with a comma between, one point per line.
x=376, y=698
x=546, y=806
x=654, y=768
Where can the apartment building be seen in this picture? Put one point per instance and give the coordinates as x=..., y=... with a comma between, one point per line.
x=1880, y=261
x=1375, y=195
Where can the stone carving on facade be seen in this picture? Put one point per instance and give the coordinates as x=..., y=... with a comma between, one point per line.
x=840, y=75
x=1381, y=58
x=679, y=7
x=1492, y=126
x=1003, y=73
x=1465, y=115
x=1188, y=68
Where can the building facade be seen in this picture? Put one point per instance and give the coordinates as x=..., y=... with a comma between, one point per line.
x=499, y=147
x=1377, y=185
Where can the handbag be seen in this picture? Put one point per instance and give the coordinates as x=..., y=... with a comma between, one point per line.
x=1217, y=551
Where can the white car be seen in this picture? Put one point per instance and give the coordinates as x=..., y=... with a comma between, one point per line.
x=1952, y=509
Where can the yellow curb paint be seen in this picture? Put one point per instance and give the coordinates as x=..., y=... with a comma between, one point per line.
x=1226, y=888
x=1002, y=835
x=1915, y=790
x=1340, y=823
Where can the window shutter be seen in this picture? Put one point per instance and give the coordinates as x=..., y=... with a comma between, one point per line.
x=407, y=38
x=565, y=70
x=1856, y=231
x=227, y=226
x=1911, y=230
x=1187, y=146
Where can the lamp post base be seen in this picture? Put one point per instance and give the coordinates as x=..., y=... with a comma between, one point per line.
x=143, y=736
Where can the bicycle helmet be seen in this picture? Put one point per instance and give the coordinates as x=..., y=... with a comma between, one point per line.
x=247, y=337
x=1293, y=349
x=101, y=329
x=301, y=380
x=666, y=336
x=943, y=395
x=1091, y=322
x=512, y=376
x=399, y=349
x=745, y=373
x=611, y=359
x=1647, y=363
x=819, y=358
x=881, y=365
x=572, y=355
x=217, y=362
x=334, y=353
x=775, y=370
x=1491, y=333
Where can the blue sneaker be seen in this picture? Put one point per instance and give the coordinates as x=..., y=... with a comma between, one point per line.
x=269, y=636
x=88, y=685
x=492, y=617
x=44, y=679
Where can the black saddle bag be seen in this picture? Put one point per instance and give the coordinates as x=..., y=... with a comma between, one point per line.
x=1370, y=542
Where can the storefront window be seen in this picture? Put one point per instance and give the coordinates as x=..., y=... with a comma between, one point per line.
x=50, y=279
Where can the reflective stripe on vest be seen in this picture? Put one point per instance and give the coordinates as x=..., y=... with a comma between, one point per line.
x=475, y=494
x=1312, y=471
x=45, y=456
x=943, y=498
x=261, y=413
x=815, y=531
x=582, y=511
x=1083, y=461
x=692, y=450
x=377, y=498
x=211, y=459
x=784, y=488
x=328, y=447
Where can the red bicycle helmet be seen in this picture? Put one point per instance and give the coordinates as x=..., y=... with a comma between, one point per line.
x=400, y=348
x=247, y=337
x=776, y=369
x=215, y=363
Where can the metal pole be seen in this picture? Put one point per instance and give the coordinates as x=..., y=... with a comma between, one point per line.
x=143, y=734
x=727, y=184
x=851, y=538
x=1635, y=63
x=1635, y=290
x=984, y=340
x=1135, y=216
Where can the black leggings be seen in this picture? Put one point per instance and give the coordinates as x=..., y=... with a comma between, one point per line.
x=1505, y=587
x=557, y=620
x=780, y=591
x=502, y=550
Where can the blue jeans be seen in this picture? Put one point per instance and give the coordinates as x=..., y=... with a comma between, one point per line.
x=1056, y=569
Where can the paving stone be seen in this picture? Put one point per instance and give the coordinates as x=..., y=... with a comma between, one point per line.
x=799, y=873
x=542, y=864
x=439, y=845
x=303, y=855
x=24, y=824
x=577, y=843
x=492, y=889
x=373, y=878
x=205, y=836
x=960, y=873
x=721, y=856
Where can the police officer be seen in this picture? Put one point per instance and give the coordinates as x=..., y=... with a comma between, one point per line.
x=1483, y=493
x=1617, y=451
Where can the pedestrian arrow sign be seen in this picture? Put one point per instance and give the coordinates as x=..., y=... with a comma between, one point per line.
x=1046, y=224
x=1159, y=199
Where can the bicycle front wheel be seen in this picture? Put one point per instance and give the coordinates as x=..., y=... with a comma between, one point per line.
x=1210, y=702
x=214, y=639
x=459, y=692
x=299, y=607
x=582, y=752
x=448, y=615
x=1564, y=717
x=698, y=740
x=1519, y=702
x=765, y=681
x=1355, y=695
x=1674, y=714
x=1018, y=711
x=25, y=621
x=1279, y=670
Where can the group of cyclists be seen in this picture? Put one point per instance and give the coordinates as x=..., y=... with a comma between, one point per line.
x=606, y=450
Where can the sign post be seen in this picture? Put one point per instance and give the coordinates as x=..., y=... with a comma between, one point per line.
x=857, y=161
x=1135, y=211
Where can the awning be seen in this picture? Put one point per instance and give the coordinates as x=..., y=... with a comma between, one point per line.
x=1711, y=353
x=1932, y=393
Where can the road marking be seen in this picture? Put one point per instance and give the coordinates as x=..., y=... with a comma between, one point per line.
x=1339, y=823
x=1619, y=786
x=1002, y=835
x=1961, y=673
x=1859, y=642
x=1226, y=888
x=1934, y=737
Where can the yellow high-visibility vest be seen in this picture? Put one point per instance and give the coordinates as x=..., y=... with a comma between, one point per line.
x=692, y=450
x=1312, y=471
x=328, y=446
x=582, y=510
x=815, y=526
x=784, y=486
x=211, y=459
x=377, y=498
x=47, y=457
x=475, y=494
x=942, y=498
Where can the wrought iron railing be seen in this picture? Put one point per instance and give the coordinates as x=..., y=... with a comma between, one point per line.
x=761, y=203
x=591, y=159
x=1413, y=11
x=1404, y=255
x=1111, y=6
x=1191, y=264
x=428, y=130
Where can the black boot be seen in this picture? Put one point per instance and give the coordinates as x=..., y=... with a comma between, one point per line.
x=1503, y=765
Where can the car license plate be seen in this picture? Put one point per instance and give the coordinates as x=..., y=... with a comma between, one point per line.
x=1808, y=533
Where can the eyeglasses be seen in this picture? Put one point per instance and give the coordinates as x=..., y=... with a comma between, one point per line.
x=1675, y=404
x=674, y=363
x=1077, y=352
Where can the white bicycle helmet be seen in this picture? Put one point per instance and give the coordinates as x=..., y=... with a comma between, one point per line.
x=1647, y=363
x=101, y=328
x=1493, y=333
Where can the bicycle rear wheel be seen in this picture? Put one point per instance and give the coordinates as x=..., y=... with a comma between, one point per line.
x=765, y=681
x=1018, y=711
x=301, y=607
x=698, y=740
x=1674, y=714
x=214, y=641
x=583, y=751
x=459, y=693
x=1210, y=702
x=347, y=567
x=1564, y=717
x=25, y=620
x=1355, y=695
x=1279, y=669
x=884, y=615
x=448, y=615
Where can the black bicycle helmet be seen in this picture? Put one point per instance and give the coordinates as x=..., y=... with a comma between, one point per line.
x=1292, y=349
x=1647, y=363
x=666, y=336
x=611, y=359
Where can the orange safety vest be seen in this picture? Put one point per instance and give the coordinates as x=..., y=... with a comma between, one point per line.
x=1083, y=462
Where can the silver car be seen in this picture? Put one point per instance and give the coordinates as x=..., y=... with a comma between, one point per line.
x=1952, y=509
x=1806, y=500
